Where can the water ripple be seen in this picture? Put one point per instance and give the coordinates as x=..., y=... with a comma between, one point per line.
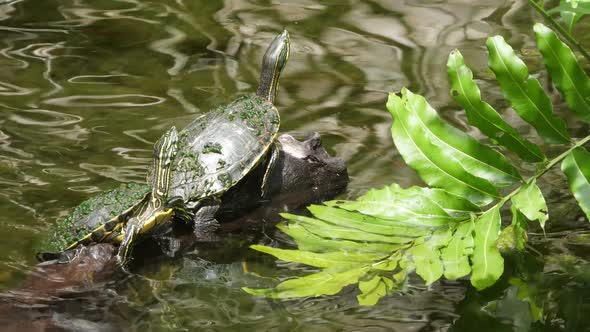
x=121, y=174
x=144, y=157
x=102, y=101
x=169, y=45
x=84, y=15
x=112, y=75
x=45, y=118
x=8, y=89
x=96, y=79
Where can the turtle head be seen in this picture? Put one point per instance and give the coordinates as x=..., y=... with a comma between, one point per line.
x=274, y=61
x=166, y=147
x=164, y=152
x=153, y=210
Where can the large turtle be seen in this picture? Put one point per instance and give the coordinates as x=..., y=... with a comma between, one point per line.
x=193, y=168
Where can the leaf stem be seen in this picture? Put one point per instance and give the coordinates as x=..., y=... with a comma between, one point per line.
x=560, y=28
x=547, y=167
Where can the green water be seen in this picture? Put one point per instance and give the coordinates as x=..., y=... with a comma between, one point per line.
x=87, y=86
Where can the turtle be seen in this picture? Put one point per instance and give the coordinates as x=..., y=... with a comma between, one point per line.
x=193, y=168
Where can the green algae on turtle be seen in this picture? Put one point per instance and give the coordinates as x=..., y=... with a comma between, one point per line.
x=92, y=212
x=221, y=164
x=212, y=148
x=212, y=160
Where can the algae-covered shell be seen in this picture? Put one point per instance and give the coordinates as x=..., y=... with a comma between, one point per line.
x=217, y=149
x=91, y=213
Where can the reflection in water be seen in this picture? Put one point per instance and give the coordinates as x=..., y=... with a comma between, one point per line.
x=86, y=87
x=109, y=101
x=46, y=118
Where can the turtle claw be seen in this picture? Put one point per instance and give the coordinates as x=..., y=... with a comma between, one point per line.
x=123, y=269
x=47, y=256
x=62, y=257
x=122, y=266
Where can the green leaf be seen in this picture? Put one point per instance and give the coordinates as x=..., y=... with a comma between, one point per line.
x=331, y=231
x=569, y=14
x=388, y=264
x=369, y=224
x=444, y=156
x=488, y=264
x=426, y=256
x=565, y=71
x=576, y=167
x=327, y=282
x=374, y=289
x=526, y=292
x=455, y=255
x=583, y=8
x=427, y=262
x=530, y=201
x=481, y=115
x=513, y=237
x=401, y=276
x=340, y=258
x=524, y=92
x=412, y=206
x=311, y=242
x=570, y=19
x=520, y=227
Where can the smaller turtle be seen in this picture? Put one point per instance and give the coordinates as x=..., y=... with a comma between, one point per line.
x=153, y=210
x=194, y=168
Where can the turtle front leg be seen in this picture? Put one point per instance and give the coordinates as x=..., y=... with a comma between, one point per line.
x=272, y=163
x=124, y=253
x=204, y=221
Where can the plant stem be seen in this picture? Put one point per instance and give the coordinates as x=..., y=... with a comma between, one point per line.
x=547, y=167
x=560, y=28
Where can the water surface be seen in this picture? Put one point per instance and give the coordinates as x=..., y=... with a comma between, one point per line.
x=86, y=87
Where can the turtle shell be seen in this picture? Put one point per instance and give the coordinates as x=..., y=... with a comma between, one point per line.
x=219, y=148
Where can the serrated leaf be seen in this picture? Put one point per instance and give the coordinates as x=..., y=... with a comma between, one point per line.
x=369, y=224
x=426, y=256
x=412, y=206
x=483, y=116
x=576, y=167
x=374, y=289
x=524, y=92
x=487, y=263
x=444, y=156
x=530, y=201
x=327, y=282
x=311, y=242
x=566, y=73
x=339, y=258
x=332, y=231
x=455, y=255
